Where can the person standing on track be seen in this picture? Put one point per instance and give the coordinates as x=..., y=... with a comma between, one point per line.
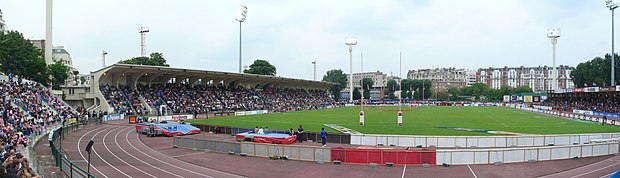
x=323, y=136
x=300, y=132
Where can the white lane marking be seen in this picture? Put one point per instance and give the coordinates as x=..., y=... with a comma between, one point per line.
x=582, y=167
x=189, y=154
x=472, y=171
x=106, y=162
x=80, y=150
x=404, y=168
x=206, y=168
x=595, y=170
x=608, y=175
x=127, y=139
x=119, y=146
x=106, y=147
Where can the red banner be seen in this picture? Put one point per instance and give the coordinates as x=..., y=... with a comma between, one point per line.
x=382, y=156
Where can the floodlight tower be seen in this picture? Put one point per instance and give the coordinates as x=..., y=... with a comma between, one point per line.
x=612, y=5
x=48, y=32
x=103, y=55
x=143, y=31
x=554, y=34
x=350, y=41
x=314, y=63
x=241, y=18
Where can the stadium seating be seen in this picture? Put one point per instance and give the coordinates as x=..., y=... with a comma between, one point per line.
x=598, y=102
x=201, y=99
x=25, y=108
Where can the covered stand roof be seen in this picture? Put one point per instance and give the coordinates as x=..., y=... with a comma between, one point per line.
x=151, y=73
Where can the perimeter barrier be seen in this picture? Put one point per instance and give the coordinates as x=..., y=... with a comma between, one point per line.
x=315, y=136
x=383, y=156
x=66, y=166
x=515, y=155
x=294, y=152
x=29, y=152
x=480, y=141
x=210, y=145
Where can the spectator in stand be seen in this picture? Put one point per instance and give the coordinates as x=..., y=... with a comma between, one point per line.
x=596, y=101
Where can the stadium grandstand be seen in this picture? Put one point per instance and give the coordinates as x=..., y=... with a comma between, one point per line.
x=152, y=90
x=26, y=109
x=600, y=101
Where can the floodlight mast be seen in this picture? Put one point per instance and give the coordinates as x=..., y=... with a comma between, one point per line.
x=240, y=19
x=143, y=31
x=103, y=54
x=554, y=34
x=350, y=41
x=612, y=5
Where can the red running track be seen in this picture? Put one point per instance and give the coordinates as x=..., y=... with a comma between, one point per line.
x=118, y=152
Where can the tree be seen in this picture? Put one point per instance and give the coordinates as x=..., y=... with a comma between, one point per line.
x=75, y=76
x=391, y=96
x=261, y=67
x=82, y=79
x=356, y=94
x=597, y=70
x=367, y=84
x=155, y=59
x=479, y=89
x=407, y=85
x=521, y=89
x=59, y=73
x=2, y=24
x=19, y=56
x=392, y=86
x=338, y=77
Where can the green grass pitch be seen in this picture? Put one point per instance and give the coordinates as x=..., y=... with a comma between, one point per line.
x=417, y=121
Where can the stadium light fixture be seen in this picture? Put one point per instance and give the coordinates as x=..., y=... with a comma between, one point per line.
x=103, y=55
x=240, y=19
x=554, y=34
x=143, y=31
x=314, y=63
x=612, y=5
x=350, y=41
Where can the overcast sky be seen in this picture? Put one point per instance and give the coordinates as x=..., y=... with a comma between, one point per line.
x=201, y=34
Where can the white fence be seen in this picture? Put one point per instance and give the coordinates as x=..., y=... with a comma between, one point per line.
x=515, y=155
x=479, y=141
x=296, y=152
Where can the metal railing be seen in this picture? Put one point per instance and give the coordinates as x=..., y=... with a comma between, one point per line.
x=66, y=166
x=29, y=151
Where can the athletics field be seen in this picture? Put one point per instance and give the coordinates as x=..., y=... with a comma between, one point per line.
x=418, y=121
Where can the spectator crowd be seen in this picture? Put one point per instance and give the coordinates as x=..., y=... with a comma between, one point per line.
x=203, y=99
x=26, y=108
x=598, y=102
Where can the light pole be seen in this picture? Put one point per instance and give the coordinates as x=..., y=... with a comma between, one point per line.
x=554, y=34
x=314, y=63
x=362, y=81
x=48, y=32
x=143, y=31
x=612, y=5
x=350, y=41
x=103, y=55
x=241, y=18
